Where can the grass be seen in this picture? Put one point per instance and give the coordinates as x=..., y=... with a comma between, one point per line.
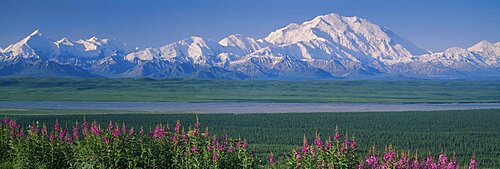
x=188, y=90
x=465, y=133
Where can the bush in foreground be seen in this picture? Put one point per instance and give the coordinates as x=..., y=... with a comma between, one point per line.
x=88, y=145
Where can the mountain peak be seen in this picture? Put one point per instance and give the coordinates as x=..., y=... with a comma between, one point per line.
x=36, y=33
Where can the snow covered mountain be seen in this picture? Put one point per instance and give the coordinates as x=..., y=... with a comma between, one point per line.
x=326, y=47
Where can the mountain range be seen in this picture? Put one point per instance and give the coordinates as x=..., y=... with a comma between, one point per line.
x=327, y=47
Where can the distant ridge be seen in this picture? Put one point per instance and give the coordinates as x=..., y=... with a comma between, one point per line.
x=327, y=47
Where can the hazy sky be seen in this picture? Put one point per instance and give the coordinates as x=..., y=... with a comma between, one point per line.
x=430, y=24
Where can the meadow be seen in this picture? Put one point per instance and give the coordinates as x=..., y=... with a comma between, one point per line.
x=191, y=90
x=462, y=133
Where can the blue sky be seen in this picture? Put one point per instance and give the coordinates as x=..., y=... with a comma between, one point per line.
x=430, y=24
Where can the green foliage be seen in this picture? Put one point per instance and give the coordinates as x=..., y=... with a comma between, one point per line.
x=189, y=90
x=462, y=133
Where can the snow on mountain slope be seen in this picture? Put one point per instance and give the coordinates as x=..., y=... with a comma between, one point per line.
x=34, y=46
x=328, y=46
x=353, y=35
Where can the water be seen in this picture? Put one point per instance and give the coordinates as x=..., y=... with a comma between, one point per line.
x=232, y=107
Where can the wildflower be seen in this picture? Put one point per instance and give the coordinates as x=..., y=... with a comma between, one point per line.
x=95, y=129
x=44, y=130
x=230, y=148
x=69, y=139
x=245, y=145
x=116, y=131
x=197, y=124
x=472, y=164
x=389, y=155
x=106, y=139
x=328, y=145
x=75, y=132
x=57, y=128
x=318, y=142
x=177, y=126
x=352, y=144
x=110, y=127
x=452, y=164
x=296, y=154
x=141, y=131
x=305, y=145
x=372, y=161
x=442, y=161
x=208, y=147
x=21, y=133
x=34, y=129
x=194, y=149
x=124, y=128
x=336, y=135
x=361, y=165
x=158, y=133
x=85, y=126
x=5, y=121
x=63, y=134
x=271, y=159
x=51, y=137
x=206, y=134
x=131, y=132
x=215, y=156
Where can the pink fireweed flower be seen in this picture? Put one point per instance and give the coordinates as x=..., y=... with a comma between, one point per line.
x=52, y=137
x=194, y=149
x=184, y=136
x=57, y=128
x=328, y=145
x=110, y=127
x=106, y=139
x=429, y=162
x=63, y=134
x=230, y=148
x=472, y=164
x=95, y=129
x=44, y=130
x=442, y=161
x=131, y=132
x=75, y=132
x=175, y=139
x=271, y=159
x=206, y=134
x=167, y=128
x=403, y=162
x=158, y=133
x=85, y=126
x=34, y=129
x=12, y=124
x=197, y=124
x=361, y=165
x=215, y=156
x=177, y=126
x=21, y=133
x=352, y=144
x=371, y=161
x=296, y=154
x=116, y=131
x=214, y=141
x=389, y=156
x=305, y=145
x=336, y=135
x=208, y=147
x=452, y=164
x=5, y=121
x=318, y=142
x=124, y=128
x=415, y=164
x=245, y=145
x=69, y=139
x=141, y=131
